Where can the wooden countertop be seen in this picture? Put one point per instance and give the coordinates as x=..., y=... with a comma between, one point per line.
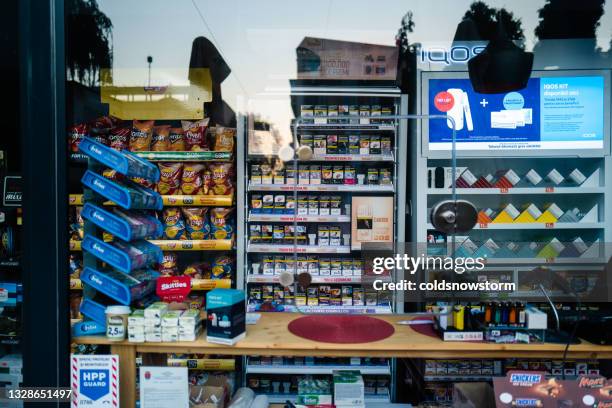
x=270, y=336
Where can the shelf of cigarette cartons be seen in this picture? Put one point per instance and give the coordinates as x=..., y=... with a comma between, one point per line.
x=370, y=399
x=396, y=129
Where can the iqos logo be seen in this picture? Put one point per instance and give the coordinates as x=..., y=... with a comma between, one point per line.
x=458, y=54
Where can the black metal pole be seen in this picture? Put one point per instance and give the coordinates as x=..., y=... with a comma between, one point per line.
x=46, y=327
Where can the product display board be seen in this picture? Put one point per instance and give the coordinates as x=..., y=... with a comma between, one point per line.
x=554, y=112
x=312, y=216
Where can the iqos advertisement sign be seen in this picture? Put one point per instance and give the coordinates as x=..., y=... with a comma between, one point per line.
x=455, y=54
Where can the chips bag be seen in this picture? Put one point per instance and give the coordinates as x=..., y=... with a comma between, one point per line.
x=169, y=265
x=119, y=138
x=222, y=267
x=191, y=182
x=196, y=222
x=160, y=141
x=142, y=132
x=75, y=134
x=102, y=125
x=176, y=140
x=221, y=181
x=221, y=228
x=224, y=139
x=198, y=270
x=195, y=134
x=170, y=178
x=206, y=182
x=174, y=226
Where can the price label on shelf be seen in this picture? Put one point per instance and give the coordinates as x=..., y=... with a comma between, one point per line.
x=549, y=225
x=549, y=189
x=483, y=225
x=503, y=190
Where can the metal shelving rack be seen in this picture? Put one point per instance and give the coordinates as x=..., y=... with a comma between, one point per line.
x=386, y=96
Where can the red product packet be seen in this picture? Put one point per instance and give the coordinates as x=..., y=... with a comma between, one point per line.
x=195, y=135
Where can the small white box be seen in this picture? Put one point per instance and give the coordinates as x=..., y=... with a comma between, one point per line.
x=555, y=177
x=533, y=177
x=536, y=319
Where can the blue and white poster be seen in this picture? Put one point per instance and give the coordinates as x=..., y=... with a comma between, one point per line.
x=549, y=113
x=94, y=381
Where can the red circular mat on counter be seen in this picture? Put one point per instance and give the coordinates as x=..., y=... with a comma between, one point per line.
x=341, y=329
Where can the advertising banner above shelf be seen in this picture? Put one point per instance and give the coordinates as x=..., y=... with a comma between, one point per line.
x=550, y=113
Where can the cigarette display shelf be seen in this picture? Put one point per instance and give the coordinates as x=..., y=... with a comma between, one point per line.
x=316, y=369
x=175, y=200
x=191, y=156
x=298, y=218
x=208, y=364
x=351, y=158
x=536, y=226
x=196, y=284
x=369, y=399
x=341, y=188
x=345, y=127
x=368, y=310
x=300, y=249
x=541, y=261
x=180, y=245
x=260, y=278
x=457, y=378
x=517, y=190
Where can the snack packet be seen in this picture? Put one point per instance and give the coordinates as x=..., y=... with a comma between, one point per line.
x=142, y=132
x=191, y=181
x=195, y=134
x=174, y=226
x=221, y=228
x=198, y=270
x=102, y=125
x=206, y=182
x=160, y=141
x=196, y=223
x=169, y=265
x=224, y=139
x=176, y=140
x=170, y=178
x=75, y=134
x=119, y=138
x=221, y=182
x=222, y=267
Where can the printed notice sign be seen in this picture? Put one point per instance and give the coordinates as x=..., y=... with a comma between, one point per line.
x=162, y=387
x=94, y=380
